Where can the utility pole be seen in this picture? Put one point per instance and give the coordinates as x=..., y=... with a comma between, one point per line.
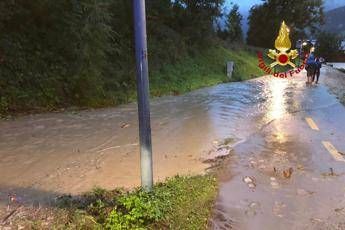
x=143, y=94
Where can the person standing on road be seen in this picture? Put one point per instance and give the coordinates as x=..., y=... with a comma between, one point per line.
x=318, y=66
x=310, y=67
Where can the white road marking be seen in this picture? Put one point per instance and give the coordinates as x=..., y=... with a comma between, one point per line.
x=311, y=123
x=333, y=151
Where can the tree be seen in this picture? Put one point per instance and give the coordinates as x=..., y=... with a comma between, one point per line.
x=80, y=52
x=233, y=30
x=301, y=16
x=195, y=19
x=328, y=45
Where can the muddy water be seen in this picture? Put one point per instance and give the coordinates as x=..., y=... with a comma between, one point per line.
x=42, y=156
x=282, y=177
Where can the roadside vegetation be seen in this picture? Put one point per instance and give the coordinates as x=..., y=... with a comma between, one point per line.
x=205, y=69
x=178, y=203
x=60, y=54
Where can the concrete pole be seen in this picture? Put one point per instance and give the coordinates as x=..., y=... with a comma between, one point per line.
x=143, y=94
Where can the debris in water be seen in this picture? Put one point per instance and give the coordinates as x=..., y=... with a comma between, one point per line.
x=262, y=167
x=252, y=163
x=228, y=141
x=315, y=179
x=315, y=220
x=303, y=192
x=339, y=209
x=300, y=167
x=252, y=209
x=287, y=173
x=274, y=184
x=278, y=208
x=331, y=171
x=125, y=125
x=250, y=181
x=215, y=142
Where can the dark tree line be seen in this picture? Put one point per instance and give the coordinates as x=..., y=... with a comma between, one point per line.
x=301, y=16
x=328, y=46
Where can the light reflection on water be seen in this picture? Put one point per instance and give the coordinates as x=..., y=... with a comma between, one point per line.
x=277, y=106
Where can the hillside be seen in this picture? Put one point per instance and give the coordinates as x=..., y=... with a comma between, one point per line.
x=204, y=68
x=63, y=54
x=334, y=20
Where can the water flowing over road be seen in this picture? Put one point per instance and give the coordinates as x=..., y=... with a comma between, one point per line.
x=48, y=154
x=285, y=170
x=290, y=173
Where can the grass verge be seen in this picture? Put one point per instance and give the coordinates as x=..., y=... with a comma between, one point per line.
x=204, y=68
x=178, y=203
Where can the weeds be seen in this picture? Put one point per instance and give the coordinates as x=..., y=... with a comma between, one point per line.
x=178, y=203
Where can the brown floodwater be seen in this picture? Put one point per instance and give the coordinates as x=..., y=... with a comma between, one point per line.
x=282, y=176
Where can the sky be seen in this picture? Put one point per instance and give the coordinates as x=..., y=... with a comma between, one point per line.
x=245, y=5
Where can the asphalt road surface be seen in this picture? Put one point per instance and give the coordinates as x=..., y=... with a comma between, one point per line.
x=290, y=173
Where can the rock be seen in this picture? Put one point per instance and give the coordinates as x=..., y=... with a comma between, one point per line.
x=229, y=69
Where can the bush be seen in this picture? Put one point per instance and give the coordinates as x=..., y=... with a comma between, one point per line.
x=178, y=203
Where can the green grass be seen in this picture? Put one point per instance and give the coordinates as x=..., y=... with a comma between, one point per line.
x=205, y=69
x=178, y=203
x=341, y=70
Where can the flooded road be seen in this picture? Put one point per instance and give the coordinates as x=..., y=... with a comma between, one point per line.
x=283, y=173
x=44, y=155
x=291, y=173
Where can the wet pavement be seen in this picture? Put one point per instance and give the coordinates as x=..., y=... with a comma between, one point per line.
x=281, y=175
x=290, y=174
x=44, y=155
